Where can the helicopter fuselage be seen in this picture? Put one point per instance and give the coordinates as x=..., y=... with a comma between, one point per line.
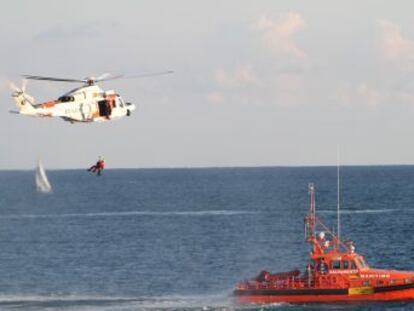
x=88, y=103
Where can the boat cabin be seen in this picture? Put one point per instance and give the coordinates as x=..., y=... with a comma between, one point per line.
x=338, y=263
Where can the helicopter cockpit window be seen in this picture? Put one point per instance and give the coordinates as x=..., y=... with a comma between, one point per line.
x=121, y=102
x=64, y=99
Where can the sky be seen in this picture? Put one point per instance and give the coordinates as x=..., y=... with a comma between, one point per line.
x=256, y=83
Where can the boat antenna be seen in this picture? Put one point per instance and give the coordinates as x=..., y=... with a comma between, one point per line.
x=338, y=196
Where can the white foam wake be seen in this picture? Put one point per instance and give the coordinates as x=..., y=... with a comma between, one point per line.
x=364, y=211
x=134, y=213
x=216, y=302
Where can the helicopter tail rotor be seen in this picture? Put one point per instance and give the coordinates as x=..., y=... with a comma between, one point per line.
x=23, y=100
x=21, y=91
x=15, y=88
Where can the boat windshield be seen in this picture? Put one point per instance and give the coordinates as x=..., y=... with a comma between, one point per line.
x=362, y=263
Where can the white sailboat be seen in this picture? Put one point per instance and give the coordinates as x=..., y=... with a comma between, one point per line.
x=42, y=183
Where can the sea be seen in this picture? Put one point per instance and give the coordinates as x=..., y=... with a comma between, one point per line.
x=181, y=239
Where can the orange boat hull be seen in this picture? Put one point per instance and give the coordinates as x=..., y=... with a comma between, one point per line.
x=312, y=295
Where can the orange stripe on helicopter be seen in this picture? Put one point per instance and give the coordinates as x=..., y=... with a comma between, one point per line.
x=48, y=104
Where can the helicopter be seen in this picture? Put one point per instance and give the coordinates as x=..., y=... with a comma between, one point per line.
x=87, y=103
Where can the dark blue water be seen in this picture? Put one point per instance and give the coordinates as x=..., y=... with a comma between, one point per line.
x=180, y=239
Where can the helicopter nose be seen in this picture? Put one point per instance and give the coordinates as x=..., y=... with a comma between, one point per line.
x=131, y=107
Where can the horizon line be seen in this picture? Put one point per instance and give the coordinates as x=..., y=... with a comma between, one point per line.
x=215, y=167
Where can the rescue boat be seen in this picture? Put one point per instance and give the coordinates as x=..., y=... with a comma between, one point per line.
x=334, y=273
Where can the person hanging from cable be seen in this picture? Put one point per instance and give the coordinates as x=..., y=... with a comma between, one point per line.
x=98, y=167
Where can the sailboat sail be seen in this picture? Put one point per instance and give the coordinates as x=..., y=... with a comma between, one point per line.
x=42, y=183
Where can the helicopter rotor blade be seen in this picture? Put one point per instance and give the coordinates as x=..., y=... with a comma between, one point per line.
x=102, y=77
x=107, y=77
x=24, y=85
x=14, y=87
x=17, y=89
x=144, y=75
x=42, y=78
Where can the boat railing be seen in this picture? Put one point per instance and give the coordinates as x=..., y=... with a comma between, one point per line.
x=279, y=283
x=294, y=281
x=329, y=280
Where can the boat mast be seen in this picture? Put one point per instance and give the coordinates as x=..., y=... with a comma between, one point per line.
x=310, y=219
x=338, y=197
